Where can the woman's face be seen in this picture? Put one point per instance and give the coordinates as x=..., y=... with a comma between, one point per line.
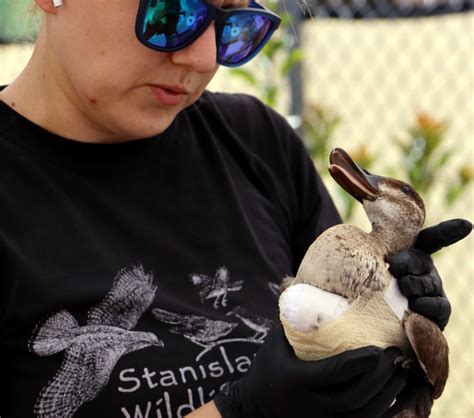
x=123, y=88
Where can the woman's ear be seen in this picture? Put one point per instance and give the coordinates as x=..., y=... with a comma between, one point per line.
x=49, y=6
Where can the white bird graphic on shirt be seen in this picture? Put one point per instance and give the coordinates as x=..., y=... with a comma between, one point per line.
x=199, y=329
x=216, y=287
x=91, y=351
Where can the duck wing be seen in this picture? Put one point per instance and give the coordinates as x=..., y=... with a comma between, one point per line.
x=363, y=273
x=350, y=273
x=431, y=349
x=343, y=261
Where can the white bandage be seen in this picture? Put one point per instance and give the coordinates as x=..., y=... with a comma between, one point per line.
x=57, y=3
x=306, y=307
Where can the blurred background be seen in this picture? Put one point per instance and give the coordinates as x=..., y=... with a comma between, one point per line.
x=390, y=81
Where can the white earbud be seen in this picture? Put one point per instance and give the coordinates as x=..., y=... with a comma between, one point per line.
x=57, y=3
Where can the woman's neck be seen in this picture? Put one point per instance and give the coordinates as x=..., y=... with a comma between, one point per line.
x=40, y=94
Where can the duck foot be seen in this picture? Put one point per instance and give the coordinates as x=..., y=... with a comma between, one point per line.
x=405, y=360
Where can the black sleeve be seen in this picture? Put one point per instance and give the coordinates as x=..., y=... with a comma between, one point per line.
x=5, y=285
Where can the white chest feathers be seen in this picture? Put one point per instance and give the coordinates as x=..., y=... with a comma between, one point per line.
x=395, y=300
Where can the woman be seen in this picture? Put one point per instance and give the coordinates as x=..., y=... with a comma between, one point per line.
x=146, y=225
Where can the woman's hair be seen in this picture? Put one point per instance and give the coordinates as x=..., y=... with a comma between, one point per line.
x=33, y=15
x=33, y=8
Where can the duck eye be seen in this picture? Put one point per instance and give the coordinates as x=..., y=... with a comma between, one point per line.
x=406, y=189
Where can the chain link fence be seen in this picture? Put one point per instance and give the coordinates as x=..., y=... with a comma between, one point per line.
x=376, y=9
x=379, y=76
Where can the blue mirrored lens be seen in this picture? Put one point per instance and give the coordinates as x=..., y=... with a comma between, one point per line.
x=242, y=36
x=171, y=23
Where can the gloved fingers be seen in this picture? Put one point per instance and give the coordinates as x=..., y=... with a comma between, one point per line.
x=400, y=406
x=410, y=262
x=276, y=350
x=414, y=392
x=337, y=369
x=436, y=308
x=446, y=233
x=277, y=346
x=381, y=403
x=360, y=390
x=415, y=286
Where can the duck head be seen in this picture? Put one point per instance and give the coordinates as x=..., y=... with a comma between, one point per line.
x=395, y=210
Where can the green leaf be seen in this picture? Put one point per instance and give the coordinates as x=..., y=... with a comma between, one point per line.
x=453, y=194
x=293, y=58
x=272, y=47
x=246, y=75
x=441, y=161
x=271, y=93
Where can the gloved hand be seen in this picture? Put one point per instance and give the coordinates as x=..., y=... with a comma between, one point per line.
x=416, y=388
x=417, y=276
x=419, y=281
x=355, y=384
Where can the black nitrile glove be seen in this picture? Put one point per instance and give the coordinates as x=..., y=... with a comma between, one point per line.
x=419, y=281
x=417, y=276
x=416, y=388
x=359, y=383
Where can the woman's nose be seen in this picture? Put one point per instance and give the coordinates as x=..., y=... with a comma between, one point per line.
x=201, y=54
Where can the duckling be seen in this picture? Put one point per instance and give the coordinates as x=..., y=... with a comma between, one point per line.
x=344, y=297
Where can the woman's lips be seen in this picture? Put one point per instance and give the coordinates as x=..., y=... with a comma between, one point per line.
x=169, y=95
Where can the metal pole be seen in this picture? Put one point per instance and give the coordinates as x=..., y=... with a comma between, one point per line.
x=295, y=76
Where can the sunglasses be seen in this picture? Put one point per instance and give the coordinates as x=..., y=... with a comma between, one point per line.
x=171, y=25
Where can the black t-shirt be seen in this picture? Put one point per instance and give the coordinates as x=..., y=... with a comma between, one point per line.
x=137, y=278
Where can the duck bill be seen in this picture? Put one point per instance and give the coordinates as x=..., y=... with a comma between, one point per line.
x=357, y=182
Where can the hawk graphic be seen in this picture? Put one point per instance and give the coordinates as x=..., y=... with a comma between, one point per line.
x=91, y=351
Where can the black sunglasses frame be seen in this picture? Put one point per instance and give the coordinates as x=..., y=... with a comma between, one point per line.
x=220, y=17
